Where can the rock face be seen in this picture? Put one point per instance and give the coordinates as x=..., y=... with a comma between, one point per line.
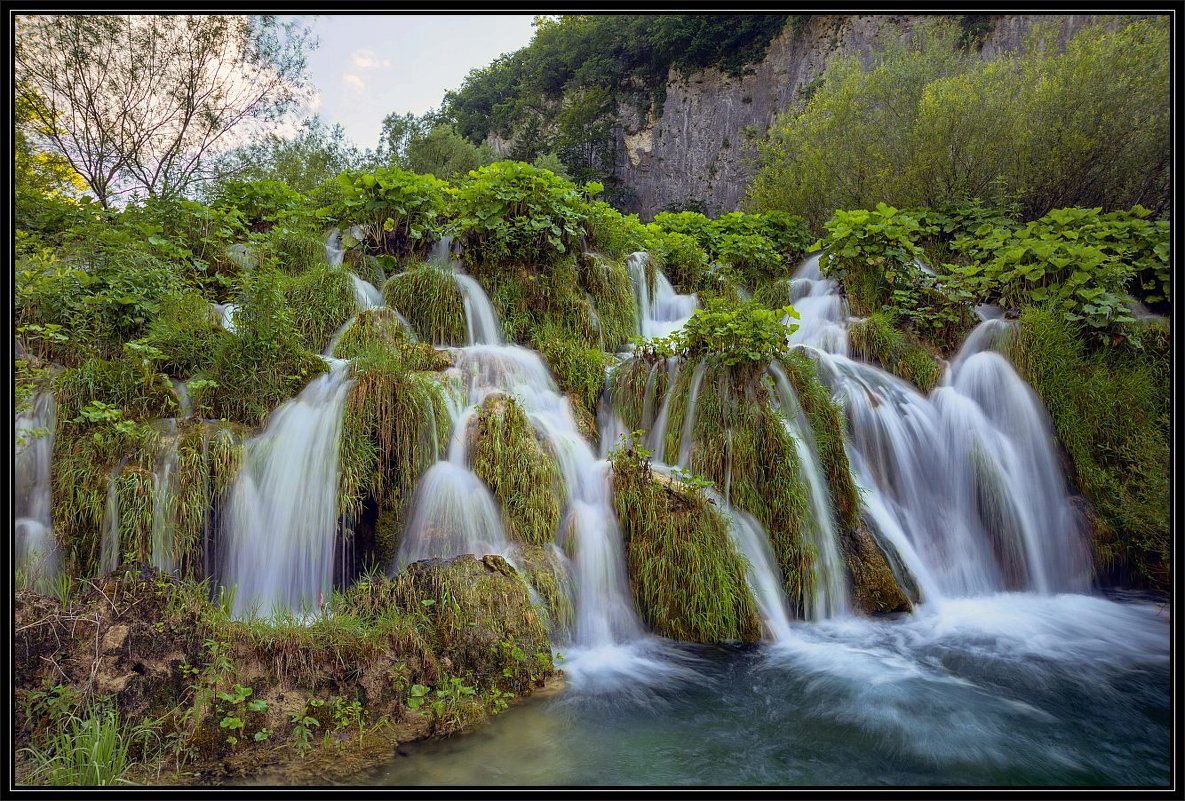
x=699, y=150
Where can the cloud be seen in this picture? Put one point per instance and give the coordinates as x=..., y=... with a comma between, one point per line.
x=354, y=82
x=369, y=60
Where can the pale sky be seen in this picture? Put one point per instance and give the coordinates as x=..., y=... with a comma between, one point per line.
x=368, y=66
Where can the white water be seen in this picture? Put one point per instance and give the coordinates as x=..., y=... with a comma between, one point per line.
x=226, y=315
x=366, y=295
x=109, y=554
x=281, y=517
x=36, y=552
x=663, y=312
x=828, y=595
x=966, y=484
x=164, y=499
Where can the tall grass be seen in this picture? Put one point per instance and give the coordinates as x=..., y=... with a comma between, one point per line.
x=94, y=750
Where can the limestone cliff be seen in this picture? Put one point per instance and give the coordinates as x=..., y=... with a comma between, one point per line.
x=698, y=150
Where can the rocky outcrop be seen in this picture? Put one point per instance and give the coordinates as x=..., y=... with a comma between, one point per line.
x=699, y=149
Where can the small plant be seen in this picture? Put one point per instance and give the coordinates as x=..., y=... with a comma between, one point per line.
x=347, y=714
x=417, y=695
x=95, y=750
x=303, y=724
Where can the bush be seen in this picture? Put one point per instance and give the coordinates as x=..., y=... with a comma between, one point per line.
x=187, y=333
x=512, y=213
x=1078, y=260
x=428, y=296
x=744, y=334
x=401, y=212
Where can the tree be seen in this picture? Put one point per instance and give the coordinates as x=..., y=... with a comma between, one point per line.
x=136, y=103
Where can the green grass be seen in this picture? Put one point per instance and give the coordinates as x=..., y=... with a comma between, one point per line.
x=373, y=326
x=1110, y=407
x=320, y=301
x=687, y=578
x=578, y=370
x=523, y=477
x=741, y=444
x=877, y=339
x=295, y=253
x=96, y=749
x=428, y=296
x=187, y=332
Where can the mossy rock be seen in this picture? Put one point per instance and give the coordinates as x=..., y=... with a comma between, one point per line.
x=428, y=296
x=545, y=569
x=688, y=580
x=484, y=628
x=372, y=327
x=874, y=586
x=506, y=454
x=878, y=339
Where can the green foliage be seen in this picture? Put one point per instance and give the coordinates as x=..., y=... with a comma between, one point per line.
x=263, y=364
x=754, y=247
x=380, y=326
x=513, y=213
x=95, y=749
x=687, y=578
x=401, y=212
x=1110, y=405
x=266, y=204
x=506, y=454
x=428, y=296
x=578, y=369
x=187, y=333
x=879, y=338
x=320, y=301
x=1078, y=260
x=678, y=255
x=1086, y=124
x=744, y=334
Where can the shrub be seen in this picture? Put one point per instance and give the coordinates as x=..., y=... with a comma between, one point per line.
x=511, y=212
x=401, y=212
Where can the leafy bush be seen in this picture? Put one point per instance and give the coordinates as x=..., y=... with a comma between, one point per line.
x=401, y=212
x=678, y=255
x=267, y=204
x=1078, y=260
x=511, y=212
x=737, y=334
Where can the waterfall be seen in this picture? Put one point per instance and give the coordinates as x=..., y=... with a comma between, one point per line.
x=109, y=554
x=366, y=295
x=450, y=497
x=164, y=494
x=828, y=596
x=965, y=484
x=36, y=552
x=281, y=516
x=666, y=311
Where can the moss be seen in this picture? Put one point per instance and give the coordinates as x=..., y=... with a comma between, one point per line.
x=395, y=427
x=295, y=253
x=187, y=332
x=878, y=339
x=544, y=569
x=507, y=455
x=428, y=296
x=875, y=587
x=687, y=578
x=321, y=301
x=482, y=624
x=373, y=326
x=579, y=370
x=741, y=444
x=1110, y=407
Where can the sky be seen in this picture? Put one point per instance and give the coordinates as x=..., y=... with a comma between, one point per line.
x=367, y=67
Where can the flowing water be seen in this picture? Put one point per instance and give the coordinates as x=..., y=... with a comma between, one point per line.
x=164, y=498
x=280, y=519
x=966, y=484
x=37, y=556
x=1009, y=689
x=662, y=311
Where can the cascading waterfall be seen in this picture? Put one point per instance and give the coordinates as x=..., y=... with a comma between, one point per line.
x=109, y=554
x=965, y=485
x=281, y=515
x=828, y=596
x=453, y=511
x=664, y=312
x=164, y=491
x=36, y=552
x=604, y=611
